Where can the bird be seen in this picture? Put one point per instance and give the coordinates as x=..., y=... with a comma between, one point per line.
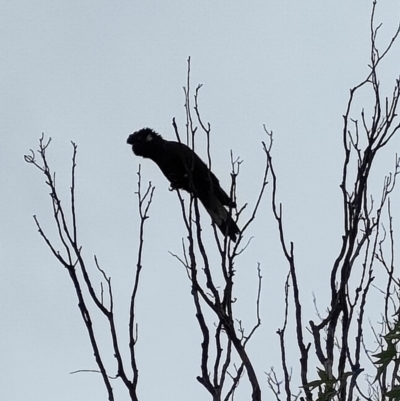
x=185, y=170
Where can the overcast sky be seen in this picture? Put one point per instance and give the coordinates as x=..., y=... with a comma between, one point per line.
x=95, y=71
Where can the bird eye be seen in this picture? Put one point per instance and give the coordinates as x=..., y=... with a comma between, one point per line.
x=149, y=138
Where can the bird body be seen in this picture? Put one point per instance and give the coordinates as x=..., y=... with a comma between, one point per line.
x=185, y=170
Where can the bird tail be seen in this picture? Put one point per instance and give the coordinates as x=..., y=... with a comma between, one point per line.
x=222, y=219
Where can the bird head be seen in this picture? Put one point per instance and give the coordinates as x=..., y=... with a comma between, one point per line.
x=144, y=142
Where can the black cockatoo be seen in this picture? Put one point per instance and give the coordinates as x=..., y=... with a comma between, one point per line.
x=185, y=170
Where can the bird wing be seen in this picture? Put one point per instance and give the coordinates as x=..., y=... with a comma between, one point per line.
x=192, y=174
x=185, y=170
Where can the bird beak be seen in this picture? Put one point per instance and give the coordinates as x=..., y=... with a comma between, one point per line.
x=130, y=139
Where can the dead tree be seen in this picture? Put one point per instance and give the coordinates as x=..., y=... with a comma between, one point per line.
x=225, y=339
x=224, y=356
x=337, y=340
x=69, y=255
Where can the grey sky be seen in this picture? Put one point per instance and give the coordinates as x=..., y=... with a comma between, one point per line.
x=93, y=72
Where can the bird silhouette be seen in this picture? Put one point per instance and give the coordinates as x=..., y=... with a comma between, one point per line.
x=185, y=170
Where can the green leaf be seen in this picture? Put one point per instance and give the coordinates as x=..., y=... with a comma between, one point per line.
x=394, y=393
x=315, y=383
